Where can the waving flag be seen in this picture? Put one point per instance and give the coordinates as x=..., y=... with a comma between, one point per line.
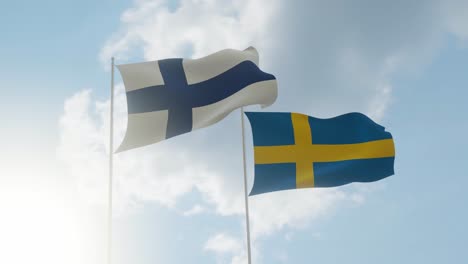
x=298, y=151
x=170, y=97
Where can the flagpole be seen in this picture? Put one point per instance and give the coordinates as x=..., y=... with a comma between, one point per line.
x=111, y=163
x=245, y=189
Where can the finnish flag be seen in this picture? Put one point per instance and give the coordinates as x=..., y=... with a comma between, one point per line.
x=171, y=97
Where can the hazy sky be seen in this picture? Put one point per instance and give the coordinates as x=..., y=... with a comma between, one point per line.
x=404, y=63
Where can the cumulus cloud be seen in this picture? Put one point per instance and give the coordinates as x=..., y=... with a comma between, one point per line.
x=161, y=173
x=344, y=54
x=287, y=210
x=339, y=56
x=82, y=147
x=196, y=209
x=454, y=13
x=223, y=243
x=195, y=28
x=227, y=249
x=292, y=209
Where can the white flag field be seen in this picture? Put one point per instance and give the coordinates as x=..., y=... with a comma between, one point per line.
x=171, y=97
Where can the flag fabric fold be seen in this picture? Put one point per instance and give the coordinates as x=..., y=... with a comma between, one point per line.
x=293, y=150
x=171, y=97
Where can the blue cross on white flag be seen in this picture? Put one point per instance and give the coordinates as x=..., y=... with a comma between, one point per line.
x=170, y=97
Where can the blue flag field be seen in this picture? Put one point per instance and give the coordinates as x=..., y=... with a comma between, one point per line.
x=298, y=151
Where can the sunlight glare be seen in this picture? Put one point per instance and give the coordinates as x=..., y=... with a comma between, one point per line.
x=37, y=226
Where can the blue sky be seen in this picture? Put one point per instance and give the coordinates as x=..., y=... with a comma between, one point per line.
x=404, y=64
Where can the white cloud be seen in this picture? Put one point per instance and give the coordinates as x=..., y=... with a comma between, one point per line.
x=287, y=210
x=161, y=173
x=82, y=147
x=338, y=56
x=196, y=209
x=223, y=243
x=228, y=249
x=195, y=28
x=291, y=209
x=455, y=14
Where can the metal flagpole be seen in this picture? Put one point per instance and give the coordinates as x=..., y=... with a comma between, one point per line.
x=245, y=189
x=111, y=163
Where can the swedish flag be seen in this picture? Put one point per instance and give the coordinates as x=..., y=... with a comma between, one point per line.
x=298, y=151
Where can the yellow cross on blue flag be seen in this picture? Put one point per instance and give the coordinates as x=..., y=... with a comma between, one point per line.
x=298, y=151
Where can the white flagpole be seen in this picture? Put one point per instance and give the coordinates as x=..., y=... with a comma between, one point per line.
x=245, y=189
x=111, y=163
